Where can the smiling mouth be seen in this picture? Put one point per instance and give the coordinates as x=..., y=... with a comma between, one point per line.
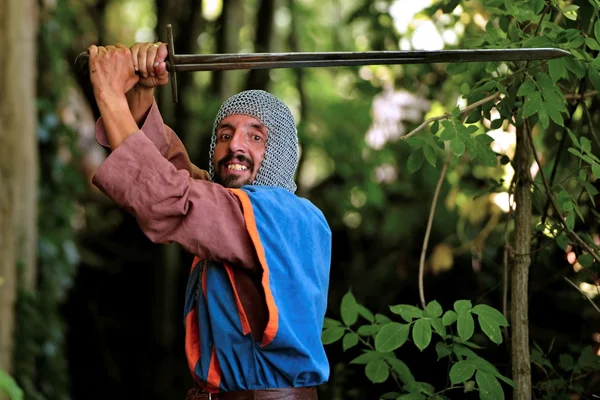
x=236, y=167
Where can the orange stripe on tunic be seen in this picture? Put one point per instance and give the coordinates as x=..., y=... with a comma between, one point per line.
x=241, y=312
x=273, y=323
x=192, y=341
x=194, y=263
x=214, y=373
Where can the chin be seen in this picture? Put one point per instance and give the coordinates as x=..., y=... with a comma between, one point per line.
x=232, y=182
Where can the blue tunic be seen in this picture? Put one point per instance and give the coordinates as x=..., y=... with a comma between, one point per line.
x=293, y=242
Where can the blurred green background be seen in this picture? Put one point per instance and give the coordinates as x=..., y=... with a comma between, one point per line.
x=98, y=313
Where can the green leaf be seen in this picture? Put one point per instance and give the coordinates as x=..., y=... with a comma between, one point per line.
x=422, y=333
x=463, y=305
x=483, y=310
x=594, y=76
x=331, y=323
x=532, y=104
x=382, y=319
x=415, y=160
x=367, y=357
x=557, y=69
x=407, y=312
x=442, y=350
x=596, y=170
x=566, y=362
x=497, y=123
x=457, y=146
x=8, y=385
x=449, y=318
x=350, y=340
x=349, y=309
x=368, y=330
x=365, y=313
x=377, y=371
x=573, y=138
x=597, y=30
x=465, y=325
x=586, y=260
x=332, y=335
x=489, y=387
x=434, y=309
x=402, y=370
x=460, y=372
x=592, y=43
x=554, y=111
x=416, y=142
x=570, y=221
x=448, y=133
x=391, y=336
x=412, y=396
x=543, y=116
x=491, y=329
x=420, y=387
x=390, y=396
x=527, y=88
x=430, y=156
x=438, y=326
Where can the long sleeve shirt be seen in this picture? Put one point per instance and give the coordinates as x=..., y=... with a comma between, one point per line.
x=151, y=176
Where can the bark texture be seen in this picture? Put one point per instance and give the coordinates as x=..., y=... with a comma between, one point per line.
x=521, y=366
x=18, y=162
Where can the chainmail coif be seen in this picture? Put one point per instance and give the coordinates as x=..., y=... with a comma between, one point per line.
x=281, y=155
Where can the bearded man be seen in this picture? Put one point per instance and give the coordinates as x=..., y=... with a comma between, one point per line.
x=257, y=290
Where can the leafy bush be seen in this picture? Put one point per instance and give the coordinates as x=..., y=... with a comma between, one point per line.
x=379, y=336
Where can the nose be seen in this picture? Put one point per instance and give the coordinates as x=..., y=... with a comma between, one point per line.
x=237, y=144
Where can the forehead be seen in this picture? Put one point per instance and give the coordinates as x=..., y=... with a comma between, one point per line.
x=241, y=120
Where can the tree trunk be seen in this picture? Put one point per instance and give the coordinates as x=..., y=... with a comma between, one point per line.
x=259, y=78
x=231, y=21
x=18, y=161
x=521, y=367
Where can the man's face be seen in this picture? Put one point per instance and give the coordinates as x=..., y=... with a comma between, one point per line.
x=240, y=146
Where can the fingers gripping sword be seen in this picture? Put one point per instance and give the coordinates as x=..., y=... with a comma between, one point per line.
x=246, y=61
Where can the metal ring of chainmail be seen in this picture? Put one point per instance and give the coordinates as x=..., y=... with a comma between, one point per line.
x=281, y=155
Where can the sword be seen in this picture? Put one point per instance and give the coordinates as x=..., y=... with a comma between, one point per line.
x=247, y=61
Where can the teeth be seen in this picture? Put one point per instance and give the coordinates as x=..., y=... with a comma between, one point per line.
x=237, y=167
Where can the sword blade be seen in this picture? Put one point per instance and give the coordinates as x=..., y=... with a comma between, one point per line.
x=209, y=62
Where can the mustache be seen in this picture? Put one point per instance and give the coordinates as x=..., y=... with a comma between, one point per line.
x=237, y=157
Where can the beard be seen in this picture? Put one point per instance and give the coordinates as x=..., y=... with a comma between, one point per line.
x=232, y=181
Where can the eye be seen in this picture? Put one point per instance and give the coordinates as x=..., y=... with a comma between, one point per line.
x=257, y=138
x=224, y=136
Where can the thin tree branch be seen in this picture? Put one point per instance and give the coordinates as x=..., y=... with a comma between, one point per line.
x=582, y=292
x=581, y=96
x=572, y=234
x=467, y=109
x=428, y=229
x=591, y=124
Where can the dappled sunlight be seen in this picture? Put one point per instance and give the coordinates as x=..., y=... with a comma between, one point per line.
x=389, y=110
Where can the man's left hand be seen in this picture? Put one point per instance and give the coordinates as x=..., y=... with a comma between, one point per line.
x=111, y=70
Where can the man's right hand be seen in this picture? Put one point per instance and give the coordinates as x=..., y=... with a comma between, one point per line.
x=149, y=60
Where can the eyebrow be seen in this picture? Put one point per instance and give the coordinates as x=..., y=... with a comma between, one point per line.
x=223, y=125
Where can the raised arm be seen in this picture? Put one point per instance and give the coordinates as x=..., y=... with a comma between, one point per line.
x=205, y=218
x=148, y=62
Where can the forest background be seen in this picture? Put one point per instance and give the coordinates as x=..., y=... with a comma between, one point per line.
x=504, y=153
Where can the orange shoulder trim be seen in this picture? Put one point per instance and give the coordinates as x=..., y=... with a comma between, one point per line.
x=273, y=323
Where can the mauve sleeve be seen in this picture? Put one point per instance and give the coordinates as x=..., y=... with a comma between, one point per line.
x=164, y=138
x=170, y=205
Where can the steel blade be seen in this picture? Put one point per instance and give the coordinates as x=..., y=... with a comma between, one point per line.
x=368, y=58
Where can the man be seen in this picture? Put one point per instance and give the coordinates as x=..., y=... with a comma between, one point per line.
x=257, y=290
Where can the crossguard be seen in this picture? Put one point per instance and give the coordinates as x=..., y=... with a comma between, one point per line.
x=171, y=63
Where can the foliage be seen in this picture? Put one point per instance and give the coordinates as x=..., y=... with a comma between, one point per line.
x=40, y=360
x=570, y=374
x=380, y=337
x=10, y=387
